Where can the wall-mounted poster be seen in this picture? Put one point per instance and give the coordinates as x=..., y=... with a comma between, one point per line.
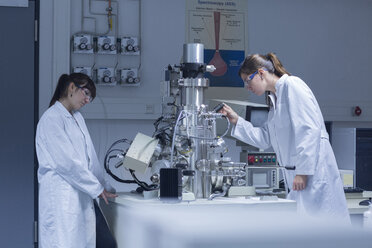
x=220, y=26
x=14, y=3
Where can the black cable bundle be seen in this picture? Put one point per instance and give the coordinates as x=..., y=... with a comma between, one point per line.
x=122, y=153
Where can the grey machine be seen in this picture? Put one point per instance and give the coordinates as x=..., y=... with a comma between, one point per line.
x=186, y=136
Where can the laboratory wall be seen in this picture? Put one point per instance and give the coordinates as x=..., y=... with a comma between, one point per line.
x=325, y=42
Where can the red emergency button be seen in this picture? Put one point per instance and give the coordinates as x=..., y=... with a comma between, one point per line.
x=250, y=159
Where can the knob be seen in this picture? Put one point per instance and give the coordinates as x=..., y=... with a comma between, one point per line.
x=106, y=79
x=250, y=160
x=129, y=48
x=130, y=80
x=112, y=47
x=106, y=46
x=82, y=46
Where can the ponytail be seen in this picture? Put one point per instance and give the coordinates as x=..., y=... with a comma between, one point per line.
x=256, y=61
x=61, y=89
x=64, y=81
x=279, y=69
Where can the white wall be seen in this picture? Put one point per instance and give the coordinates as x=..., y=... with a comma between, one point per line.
x=326, y=42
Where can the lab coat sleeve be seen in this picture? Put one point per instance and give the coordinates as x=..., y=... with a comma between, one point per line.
x=55, y=144
x=97, y=168
x=305, y=118
x=255, y=136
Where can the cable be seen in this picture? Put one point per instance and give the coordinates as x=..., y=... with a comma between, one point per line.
x=108, y=158
x=228, y=125
x=174, y=134
x=144, y=185
x=107, y=167
x=121, y=154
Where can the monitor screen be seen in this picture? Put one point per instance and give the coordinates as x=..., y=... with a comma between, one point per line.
x=257, y=116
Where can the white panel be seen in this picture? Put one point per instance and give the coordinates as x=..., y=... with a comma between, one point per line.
x=320, y=44
x=344, y=111
x=123, y=108
x=139, y=155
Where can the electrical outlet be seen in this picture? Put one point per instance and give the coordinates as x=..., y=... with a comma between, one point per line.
x=149, y=109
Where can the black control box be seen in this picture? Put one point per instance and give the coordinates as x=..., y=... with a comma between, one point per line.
x=170, y=184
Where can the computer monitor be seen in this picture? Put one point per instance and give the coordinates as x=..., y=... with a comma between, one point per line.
x=363, y=163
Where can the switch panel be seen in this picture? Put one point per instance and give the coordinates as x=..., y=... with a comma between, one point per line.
x=259, y=158
x=82, y=43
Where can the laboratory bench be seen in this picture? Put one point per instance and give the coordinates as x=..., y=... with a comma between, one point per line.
x=355, y=210
x=223, y=222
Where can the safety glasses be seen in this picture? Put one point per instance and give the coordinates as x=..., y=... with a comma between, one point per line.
x=86, y=92
x=249, y=78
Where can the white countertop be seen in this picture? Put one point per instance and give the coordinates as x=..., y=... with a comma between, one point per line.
x=223, y=222
x=353, y=200
x=131, y=199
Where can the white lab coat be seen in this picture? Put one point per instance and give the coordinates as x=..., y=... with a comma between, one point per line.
x=70, y=177
x=295, y=129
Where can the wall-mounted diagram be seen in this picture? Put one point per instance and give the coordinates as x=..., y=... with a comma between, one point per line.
x=217, y=60
x=220, y=26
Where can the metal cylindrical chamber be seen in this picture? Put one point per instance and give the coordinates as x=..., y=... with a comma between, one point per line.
x=193, y=53
x=192, y=92
x=194, y=97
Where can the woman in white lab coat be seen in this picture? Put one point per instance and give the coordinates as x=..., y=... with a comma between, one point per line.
x=295, y=130
x=69, y=174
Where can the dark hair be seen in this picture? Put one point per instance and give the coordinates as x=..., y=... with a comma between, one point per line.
x=256, y=61
x=64, y=81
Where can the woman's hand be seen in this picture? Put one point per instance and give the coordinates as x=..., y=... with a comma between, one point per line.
x=105, y=194
x=230, y=114
x=299, y=182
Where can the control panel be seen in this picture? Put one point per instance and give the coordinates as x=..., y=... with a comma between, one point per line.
x=106, y=45
x=263, y=177
x=82, y=43
x=259, y=158
x=106, y=76
x=129, y=76
x=84, y=69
